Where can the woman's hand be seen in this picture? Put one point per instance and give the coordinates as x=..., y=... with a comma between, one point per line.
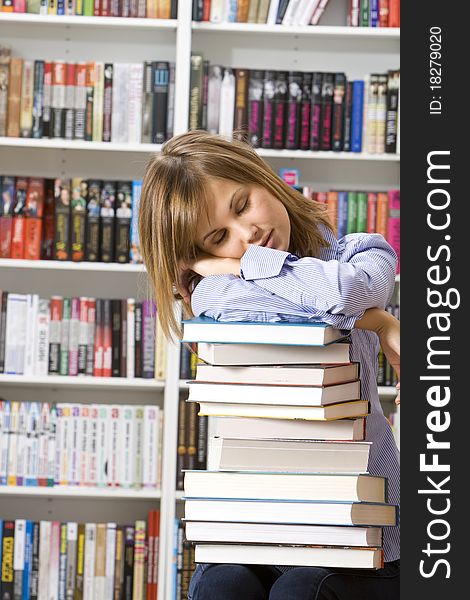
x=204, y=265
x=387, y=327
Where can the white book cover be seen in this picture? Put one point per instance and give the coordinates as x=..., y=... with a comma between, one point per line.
x=151, y=443
x=113, y=445
x=119, y=121
x=320, y=9
x=214, y=86
x=43, y=440
x=19, y=555
x=99, y=583
x=89, y=563
x=134, y=104
x=41, y=340
x=138, y=451
x=92, y=447
x=272, y=13
x=365, y=115
x=31, y=333
x=110, y=560
x=76, y=443
x=218, y=11
x=82, y=335
x=32, y=443
x=21, y=444
x=130, y=357
x=4, y=440
x=65, y=437
x=160, y=449
x=52, y=445
x=53, y=561
x=102, y=445
x=372, y=97
x=291, y=9
x=13, y=443
x=98, y=97
x=304, y=12
x=15, y=333
x=126, y=445
x=381, y=114
x=227, y=103
x=44, y=557
x=170, y=113
x=85, y=432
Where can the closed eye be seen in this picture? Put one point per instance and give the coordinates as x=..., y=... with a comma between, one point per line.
x=245, y=206
x=220, y=238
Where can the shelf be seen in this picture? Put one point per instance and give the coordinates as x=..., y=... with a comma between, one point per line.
x=59, y=144
x=58, y=265
x=80, y=492
x=56, y=144
x=316, y=31
x=83, y=382
x=97, y=22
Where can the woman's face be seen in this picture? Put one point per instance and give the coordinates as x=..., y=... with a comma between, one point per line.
x=239, y=215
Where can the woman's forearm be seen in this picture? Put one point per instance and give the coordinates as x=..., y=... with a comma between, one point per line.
x=375, y=319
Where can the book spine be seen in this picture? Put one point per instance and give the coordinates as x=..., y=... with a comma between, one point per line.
x=138, y=450
x=151, y=443
x=69, y=101
x=139, y=560
x=98, y=96
x=119, y=564
x=294, y=108
x=99, y=583
x=123, y=220
x=6, y=215
x=119, y=123
x=71, y=559
x=241, y=101
x=126, y=437
x=98, y=340
x=342, y=213
x=34, y=211
x=269, y=83
x=147, y=103
x=123, y=335
x=14, y=97
x=7, y=559
x=148, y=339
x=351, y=222
x=48, y=221
x=65, y=337
x=80, y=101
x=138, y=339
x=62, y=219
x=4, y=443
x=280, y=101
x=58, y=100
x=107, y=220
x=304, y=138
x=392, y=112
x=89, y=561
x=110, y=560
x=170, y=121
x=89, y=100
x=128, y=342
x=134, y=103
x=107, y=101
x=337, y=127
x=107, y=338
x=55, y=335
x=181, y=448
x=38, y=99
x=160, y=353
x=161, y=76
x=361, y=226
x=357, y=116
x=213, y=98
x=371, y=212
x=116, y=336
x=19, y=542
x=34, y=577
x=195, y=104
x=78, y=218
x=91, y=327
x=205, y=93
x=393, y=225
x=18, y=224
x=62, y=561
x=74, y=336
x=327, y=111
x=92, y=250
x=129, y=532
x=316, y=111
x=4, y=77
x=348, y=116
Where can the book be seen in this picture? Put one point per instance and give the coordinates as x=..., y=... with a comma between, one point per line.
x=252, y=428
x=297, y=395
x=62, y=219
x=285, y=375
x=213, y=97
x=78, y=218
x=279, y=533
x=279, y=109
x=316, y=110
x=34, y=210
x=14, y=97
x=271, y=354
x=269, y=81
x=365, y=558
x=195, y=92
x=342, y=410
x=357, y=115
x=308, y=333
x=161, y=78
x=292, y=511
x=288, y=456
x=393, y=223
x=255, y=107
x=26, y=102
x=92, y=246
x=227, y=103
x=294, y=108
x=285, y=486
x=107, y=220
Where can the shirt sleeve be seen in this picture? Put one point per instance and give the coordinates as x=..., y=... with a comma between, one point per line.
x=276, y=285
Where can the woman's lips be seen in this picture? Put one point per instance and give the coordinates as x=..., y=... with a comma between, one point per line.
x=269, y=243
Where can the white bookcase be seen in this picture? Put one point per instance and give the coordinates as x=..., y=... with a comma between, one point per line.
x=330, y=47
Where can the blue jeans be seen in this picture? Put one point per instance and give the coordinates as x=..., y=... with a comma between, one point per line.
x=253, y=582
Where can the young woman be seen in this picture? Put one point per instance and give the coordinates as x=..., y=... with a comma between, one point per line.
x=220, y=229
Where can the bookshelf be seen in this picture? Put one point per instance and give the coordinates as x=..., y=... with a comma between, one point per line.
x=329, y=47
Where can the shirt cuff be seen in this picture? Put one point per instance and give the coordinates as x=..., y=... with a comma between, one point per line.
x=259, y=262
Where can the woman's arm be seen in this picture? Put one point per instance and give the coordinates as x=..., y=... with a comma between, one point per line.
x=272, y=281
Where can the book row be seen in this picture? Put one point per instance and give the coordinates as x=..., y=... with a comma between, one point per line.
x=92, y=101
x=94, y=445
x=361, y=13
x=296, y=110
x=191, y=440
x=151, y=9
x=182, y=562
x=69, y=219
x=54, y=560
x=77, y=336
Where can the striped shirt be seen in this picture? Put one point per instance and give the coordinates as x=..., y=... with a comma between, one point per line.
x=353, y=274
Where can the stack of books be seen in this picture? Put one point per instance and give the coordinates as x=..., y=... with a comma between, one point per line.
x=286, y=480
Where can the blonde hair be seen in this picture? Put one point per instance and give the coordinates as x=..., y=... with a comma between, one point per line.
x=173, y=196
